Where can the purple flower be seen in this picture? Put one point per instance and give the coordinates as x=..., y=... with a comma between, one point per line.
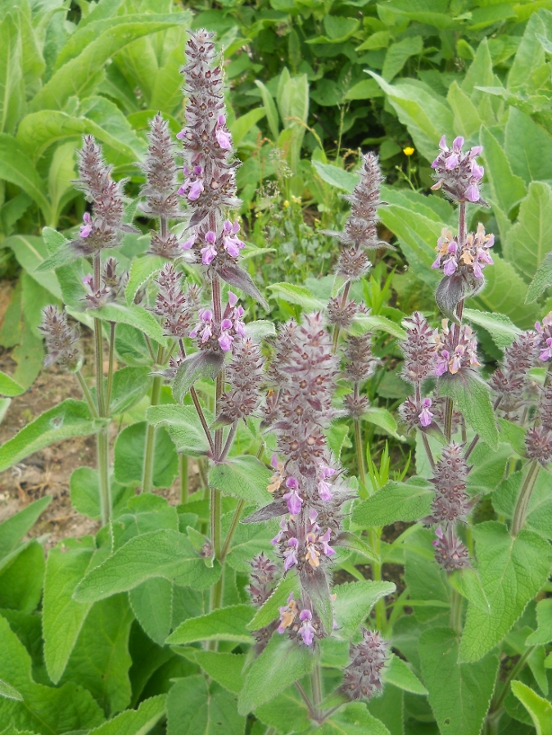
x=224, y=139
x=232, y=299
x=307, y=630
x=225, y=341
x=426, y=416
x=195, y=190
x=546, y=354
x=208, y=254
x=450, y=266
x=189, y=243
x=86, y=229
x=291, y=554
x=325, y=541
x=293, y=499
x=457, y=173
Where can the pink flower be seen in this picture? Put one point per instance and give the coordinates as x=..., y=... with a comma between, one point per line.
x=87, y=280
x=86, y=229
x=325, y=541
x=441, y=366
x=189, y=243
x=293, y=499
x=225, y=341
x=324, y=491
x=307, y=631
x=472, y=193
x=291, y=554
x=224, y=140
x=425, y=414
x=208, y=254
x=232, y=299
x=195, y=190
x=546, y=354
x=451, y=264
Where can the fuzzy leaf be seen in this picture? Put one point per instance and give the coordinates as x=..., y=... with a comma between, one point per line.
x=164, y=553
x=539, y=511
x=152, y=603
x=195, y=707
x=401, y=675
x=85, y=493
x=395, y=501
x=9, y=692
x=69, y=419
x=512, y=571
x=240, y=279
x=184, y=427
x=8, y=386
x=140, y=271
x=242, y=477
x=268, y=612
x=297, y=295
x=15, y=528
x=471, y=397
x=500, y=327
x=134, y=316
x=281, y=663
x=542, y=280
x=353, y=719
x=224, y=668
x=225, y=624
x=135, y=722
x=199, y=365
x=384, y=419
x=336, y=176
x=540, y=709
x=459, y=694
x=18, y=169
x=543, y=634
x=530, y=239
x=353, y=604
x=129, y=456
x=130, y=385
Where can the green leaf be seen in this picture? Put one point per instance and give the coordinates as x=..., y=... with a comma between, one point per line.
x=62, y=617
x=164, y=553
x=73, y=78
x=45, y=710
x=468, y=584
x=268, y=612
x=184, y=427
x=130, y=385
x=135, y=722
x=30, y=252
x=401, y=675
x=8, y=386
x=540, y=709
x=225, y=624
x=21, y=580
x=280, y=664
x=152, y=603
x=395, y=501
x=85, y=493
x=471, y=397
x=9, y=692
x=195, y=707
x=270, y=110
x=335, y=176
x=398, y=54
x=466, y=117
x=140, y=271
x=12, y=85
x=15, y=528
x=353, y=719
x=384, y=419
x=60, y=253
x=240, y=127
x=135, y=316
x=287, y=712
x=224, y=668
x=543, y=634
x=296, y=295
x=530, y=54
x=353, y=604
x=61, y=177
x=528, y=147
x=459, y=693
x=539, y=512
x=70, y=418
x=542, y=280
x=424, y=114
x=530, y=239
x=16, y=168
x=144, y=513
x=362, y=323
x=365, y=90
x=100, y=660
x=242, y=477
x=500, y=327
x=248, y=541
x=503, y=564
x=507, y=189
x=129, y=456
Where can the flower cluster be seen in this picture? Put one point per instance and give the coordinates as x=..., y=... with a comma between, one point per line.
x=111, y=285
x=419, y=349
x=262, y=579
x=216, y=336
x=456, y=349
x=208, y=245
x=468, y=259
x=450, y=553
x=458, y=174
x=544, y=331
x=102, y=229
x=174, y=306
x=538, y=444
x=362, y=679
x=451, y=502
x=358, y=366
x=510, y=379
x=245, y=375
x=60, y=340
x=298, y=621
x=298, y=549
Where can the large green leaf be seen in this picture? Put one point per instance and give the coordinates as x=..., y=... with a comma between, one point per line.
x=152, y=603
x=528, y=147
x=459, y=694
x=225, y=624
x=135, y=722
x=100, y=660
x=242, y=477
x=195, y=707
x=12, y=86
x=163, y=553
x=530, y=239
x=425, y=115
x=184, y=427
x=44, y=710
x=134, y=316
x=71, y=418
x=62, y=617
x=543, y=634
x=530, y=54
x=280, y=664
x=500, y=327
x=21, y=578
x=18, y=169
x=141, y=270
x=353, y=719
x=512, y=571
x=224, y=668
x=398, y=54
x=353, y=603
x=395, y=501
x=507, y=189
x=466, y=116
x=30, y=252
x=73, y=78
x=129, y=456
x=540, y=709
x=539, y=511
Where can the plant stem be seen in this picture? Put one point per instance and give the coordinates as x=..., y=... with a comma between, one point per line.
x=317, y=693
x=229, y=441
x=111, y=362
x=183, y=478
x=343, y=304
x=360, y=454
x=87, y=395
x=197, y=404
x=497, y=704
x=231, y=530
x=149, y=447
x=98, y=359
x=103, y=473
x=305, y=696
x=456, y=611
x=524, y=498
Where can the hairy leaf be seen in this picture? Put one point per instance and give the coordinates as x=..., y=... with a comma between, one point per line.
x=243, y=477
x=471, y=397
x=395, y=501
x=353, y=603
x=184, y=427
x=195, y=707
x=225, y=624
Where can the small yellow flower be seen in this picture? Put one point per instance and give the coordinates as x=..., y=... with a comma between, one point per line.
x=408, y=151
x=286, y=204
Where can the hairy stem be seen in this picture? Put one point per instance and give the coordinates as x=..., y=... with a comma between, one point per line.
x=317, y=693
x=312, y=711
x=456, y=611
x=87, y=395
x=231, y=530
x=103, y=474
x=524, y=498
x=183, y=467
x=149, y=447
x=229, y=441
x=496, y=707
x=111, y=362
x=198, y=408
x=343, y=304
